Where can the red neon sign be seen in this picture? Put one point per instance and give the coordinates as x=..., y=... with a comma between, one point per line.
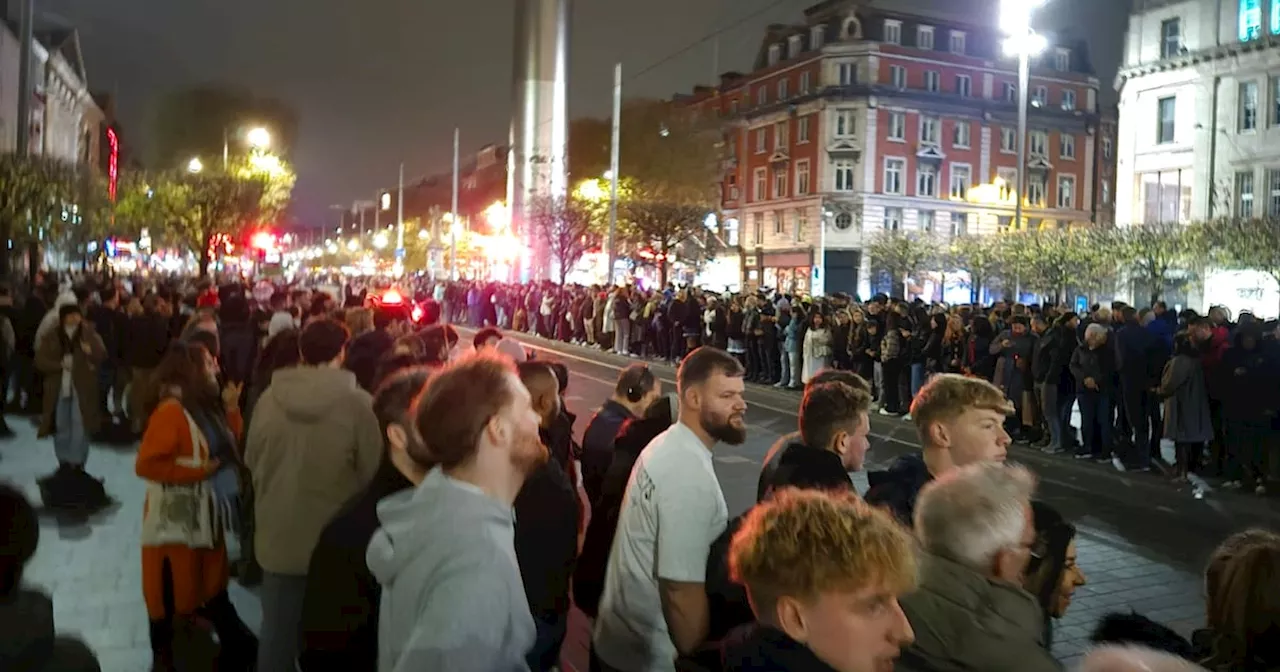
x=113, y=162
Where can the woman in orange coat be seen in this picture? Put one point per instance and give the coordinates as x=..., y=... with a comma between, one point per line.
x=190, y=441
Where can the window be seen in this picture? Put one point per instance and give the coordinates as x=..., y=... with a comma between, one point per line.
x=893, y=169
x=924, y=37
x=793, y=46
x=1244, y=195
x=1035, y=190
x=802, y=177
x=1008, y=140
x=761, y=135
x=733, y=187
x=1068, y=99
x=958, y=226
x=925, y=221
x=802, y=222
x=898, y=76
x=844, y=221
x=926, y=181
x=844, y=123
x=1250, y=20
x=762, y=96
x=775, y=53
x=892, y=219
x=783, y=93
x=802, y=130
x=1106, y=148
x=779, y=182
x=1066, y=191
x=1167, y=112
x=1170, y=37
x=1040, y=96
x=1248, y=97
x=957, y=42
x=1106, y=193
x=1004, y=223
x=1068, y=146
x=964, y=86
x=780, y=137
x=779, y=222
x=892, y=31
x=844, y=175
x=897, y=126
x=1275, y=101
x=1062, y=59
x=929, y=130
x=960, y=135
x=804, y=82
x=816, y=35
x=1009, y=91
x=1008, y=179
x=848, y=74
x=1038, y=143
x=758, y=226
x=931, y=80
x=759, y=185
x=1273, y=187
x=961, y=174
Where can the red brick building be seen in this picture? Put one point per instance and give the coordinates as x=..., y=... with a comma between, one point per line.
x=860, y=120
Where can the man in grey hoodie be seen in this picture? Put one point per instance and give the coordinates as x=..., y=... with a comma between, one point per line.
x=452, y=597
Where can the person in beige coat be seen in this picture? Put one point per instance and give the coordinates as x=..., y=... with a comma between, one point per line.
x=68, y=357
x=314, y=442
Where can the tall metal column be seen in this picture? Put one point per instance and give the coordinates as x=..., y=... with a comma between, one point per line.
x=26, y=18
x=1024, y=77
x=613, y=172
x=540, y=121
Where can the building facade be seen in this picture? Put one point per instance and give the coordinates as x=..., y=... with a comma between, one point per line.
x=1199, y=127
x=861, y=120
x=66, y=122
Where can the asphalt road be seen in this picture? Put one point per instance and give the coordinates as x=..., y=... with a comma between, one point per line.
x=1142, y=541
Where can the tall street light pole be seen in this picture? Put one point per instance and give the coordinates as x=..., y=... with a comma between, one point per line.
x=613, y=172
x=1022, y=42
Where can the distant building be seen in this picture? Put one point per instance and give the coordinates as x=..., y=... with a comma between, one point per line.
x=860, y=120
x=1199, y=133
x=65, y=121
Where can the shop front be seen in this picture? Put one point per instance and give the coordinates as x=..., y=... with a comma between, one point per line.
x=787, y=272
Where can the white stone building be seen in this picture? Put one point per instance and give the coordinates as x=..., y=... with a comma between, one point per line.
x=65, y=120
x=1199, y=128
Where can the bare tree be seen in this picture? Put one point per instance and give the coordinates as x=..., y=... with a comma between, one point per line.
x=567, y=224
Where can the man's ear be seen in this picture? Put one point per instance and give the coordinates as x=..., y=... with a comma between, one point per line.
x=397, y=437
x=939, y=437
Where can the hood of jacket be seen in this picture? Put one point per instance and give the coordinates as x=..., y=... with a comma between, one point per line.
x=898, y=486
x=966, y=621
x=761, y=648
x=792, y=463
x=311, y=393
x=414, y=524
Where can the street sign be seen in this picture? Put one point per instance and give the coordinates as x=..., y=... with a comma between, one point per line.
x=1082, y=305
x=399, y=253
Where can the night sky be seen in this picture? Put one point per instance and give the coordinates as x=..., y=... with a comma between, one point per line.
x=376, y=83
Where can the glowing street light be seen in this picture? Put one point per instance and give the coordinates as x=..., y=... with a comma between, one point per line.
x=423, y=235
x=353, y=244
x=195, y=165
x=331, y=248
x=258, y=137
x=1023, y=43
x=498, y=215
x=590, y=190
x=380, y=241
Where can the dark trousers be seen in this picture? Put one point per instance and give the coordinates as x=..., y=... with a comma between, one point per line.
x=545, y=654
x=1139, y=406
x=891, y=395
x=772, y=361
x=1246, y=450
x=1095, y=422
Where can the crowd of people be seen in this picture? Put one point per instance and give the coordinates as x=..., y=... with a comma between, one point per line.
x=1202, y=385
x=408, y=500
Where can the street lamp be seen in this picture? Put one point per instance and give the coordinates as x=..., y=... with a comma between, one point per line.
x=195, y=165
x=1023, y=43
x=257, y=137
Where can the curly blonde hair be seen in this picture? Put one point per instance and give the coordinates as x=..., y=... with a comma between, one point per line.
x=948, y=395
x=802, y=543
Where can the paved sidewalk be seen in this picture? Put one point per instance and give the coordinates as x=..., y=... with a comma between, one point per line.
x=94, y=569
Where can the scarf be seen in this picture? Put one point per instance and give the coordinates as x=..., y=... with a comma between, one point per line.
x=225, y=482
x=70, y=343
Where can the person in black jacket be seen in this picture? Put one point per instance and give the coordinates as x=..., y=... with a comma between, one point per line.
x=1093, y=365
x=1246, y=384
x=340, y=608
x=548, y=518
x=960, y=421
x=632, y=438
x=636, y=390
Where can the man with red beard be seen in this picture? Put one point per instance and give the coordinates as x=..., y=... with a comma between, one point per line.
x=654, y=606
x=452, y=597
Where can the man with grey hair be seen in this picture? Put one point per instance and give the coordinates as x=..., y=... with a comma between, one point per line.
x=1093, y=365
x=970, y=611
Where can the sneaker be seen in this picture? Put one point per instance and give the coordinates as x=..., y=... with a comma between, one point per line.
x=1053, y=450
x=885, y=411
x=1083, y=456
x=906, y=417
x=1232, y=485
x=1115, y=462
x=1260, y=490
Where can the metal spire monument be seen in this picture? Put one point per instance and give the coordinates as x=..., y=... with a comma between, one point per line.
x=536, y=162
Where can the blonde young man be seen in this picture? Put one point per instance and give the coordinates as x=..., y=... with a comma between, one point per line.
x=824, y=572
x=960, y=421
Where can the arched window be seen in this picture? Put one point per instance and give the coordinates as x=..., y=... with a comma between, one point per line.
x=851, y=28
